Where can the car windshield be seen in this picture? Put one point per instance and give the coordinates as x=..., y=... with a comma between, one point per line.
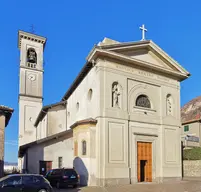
x=49, y=172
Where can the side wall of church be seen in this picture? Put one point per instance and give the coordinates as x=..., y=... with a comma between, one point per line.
x=62, y=147
x=51, y=151
x=122, y=123
x=84, y=101
x=56, y=120
x=41, y=129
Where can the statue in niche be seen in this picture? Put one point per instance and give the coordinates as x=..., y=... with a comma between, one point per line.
x=169, y=105
x=116, y=95
x=31, y=56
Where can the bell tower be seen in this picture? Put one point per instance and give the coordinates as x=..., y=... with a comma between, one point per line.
x=31, y=48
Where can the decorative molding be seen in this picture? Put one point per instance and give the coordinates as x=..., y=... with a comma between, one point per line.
x=30, y=37
x=32, y=69
x=145, y=134
x=144, y=109
x=25, y=95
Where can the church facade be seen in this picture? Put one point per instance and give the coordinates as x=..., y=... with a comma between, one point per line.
x=118, y=123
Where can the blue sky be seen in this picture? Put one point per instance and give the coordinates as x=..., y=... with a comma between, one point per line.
x=73, y=27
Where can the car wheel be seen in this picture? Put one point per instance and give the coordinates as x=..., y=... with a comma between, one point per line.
x=58, y=185
x=42, y=190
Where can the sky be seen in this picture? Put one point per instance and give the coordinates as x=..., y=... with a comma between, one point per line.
x=73, y=27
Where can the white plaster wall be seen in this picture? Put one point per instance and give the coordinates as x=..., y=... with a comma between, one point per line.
x=59, y=148
x=87, y=108
x=28, y=87
x=56, y=120
x=42, y=128
x=27, y=131
x=50, y=151
x=38, y=131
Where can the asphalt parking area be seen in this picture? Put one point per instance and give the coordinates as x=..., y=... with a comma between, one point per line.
x=182, y=186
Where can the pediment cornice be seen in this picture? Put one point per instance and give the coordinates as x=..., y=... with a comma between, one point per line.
x=98, y=52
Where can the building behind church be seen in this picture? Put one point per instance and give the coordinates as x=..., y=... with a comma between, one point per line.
x=119, y=121
x=5, y=115
x=191, y=123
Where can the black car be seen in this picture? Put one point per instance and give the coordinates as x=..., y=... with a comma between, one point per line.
x=24, y=183
x=63, y=177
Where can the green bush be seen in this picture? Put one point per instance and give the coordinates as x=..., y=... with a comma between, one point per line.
x=192, y=154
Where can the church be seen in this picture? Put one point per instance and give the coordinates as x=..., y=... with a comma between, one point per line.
x=119, y=121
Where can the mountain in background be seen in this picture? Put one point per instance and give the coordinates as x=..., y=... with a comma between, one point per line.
x=9, y=163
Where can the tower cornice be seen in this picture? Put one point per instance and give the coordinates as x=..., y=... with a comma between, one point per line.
x=30, y=37
x=31, y=69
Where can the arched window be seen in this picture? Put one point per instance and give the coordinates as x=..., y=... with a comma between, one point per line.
x=90, y=93
x=143, y=101
x=77, y=106
x=84, y=147
x=31, y=58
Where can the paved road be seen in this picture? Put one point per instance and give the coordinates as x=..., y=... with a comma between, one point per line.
x=182, y=186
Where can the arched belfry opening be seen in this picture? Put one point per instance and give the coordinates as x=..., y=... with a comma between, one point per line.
x=31, y=58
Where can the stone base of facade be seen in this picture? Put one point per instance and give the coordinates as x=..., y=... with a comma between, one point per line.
x=127, y=181
x=112, y=182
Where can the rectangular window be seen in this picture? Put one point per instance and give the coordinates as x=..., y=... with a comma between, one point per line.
x=60, y=162
x=186, y=128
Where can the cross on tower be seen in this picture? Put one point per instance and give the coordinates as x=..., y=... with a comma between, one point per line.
x=143, y=32
x=32, y=30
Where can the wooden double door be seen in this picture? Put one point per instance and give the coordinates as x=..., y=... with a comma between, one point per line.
x=144, y=161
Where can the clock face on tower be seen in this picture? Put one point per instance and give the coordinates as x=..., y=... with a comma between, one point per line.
x=31, y=77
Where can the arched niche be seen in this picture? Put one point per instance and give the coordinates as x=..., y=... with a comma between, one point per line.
x=169, y=105
x=116, y=95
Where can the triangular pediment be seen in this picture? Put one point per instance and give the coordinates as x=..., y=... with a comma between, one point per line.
x=145, y=52
x=148, y=56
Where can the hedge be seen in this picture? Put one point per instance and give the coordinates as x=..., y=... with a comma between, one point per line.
x=192, y=154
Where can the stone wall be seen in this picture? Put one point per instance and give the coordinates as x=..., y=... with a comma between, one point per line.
x=192, y=168
x=2, y=126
